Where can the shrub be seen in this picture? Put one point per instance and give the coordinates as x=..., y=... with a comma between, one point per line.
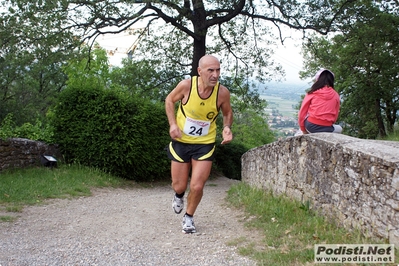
x=7, y=127
x=39, y=131
x=228, y=159
x=113, y=131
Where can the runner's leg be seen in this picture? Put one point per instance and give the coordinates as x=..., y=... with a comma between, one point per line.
x=199, y=175
x=179, y=172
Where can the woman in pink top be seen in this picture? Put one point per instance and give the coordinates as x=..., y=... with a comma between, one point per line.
x=320, y=107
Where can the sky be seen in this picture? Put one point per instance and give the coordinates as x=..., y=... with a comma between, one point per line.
x=289, y=55
x=290, y=58
x=117, y=45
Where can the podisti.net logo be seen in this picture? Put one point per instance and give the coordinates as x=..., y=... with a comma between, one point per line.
x=354, y=253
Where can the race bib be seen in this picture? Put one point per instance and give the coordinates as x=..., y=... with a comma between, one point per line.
x=196, y=128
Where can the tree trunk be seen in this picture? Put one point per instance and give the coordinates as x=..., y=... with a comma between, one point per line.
x=199, y=51
x=390, y=114
x=200, y=31
x=380, y=122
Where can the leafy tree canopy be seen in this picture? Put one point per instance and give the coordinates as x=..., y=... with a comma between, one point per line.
x=33, y=49
x=239, y=30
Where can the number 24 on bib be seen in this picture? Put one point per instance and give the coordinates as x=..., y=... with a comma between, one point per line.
x=196, y=128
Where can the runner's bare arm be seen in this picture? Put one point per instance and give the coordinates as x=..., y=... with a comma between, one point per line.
x=178, y=93
x=225, y=106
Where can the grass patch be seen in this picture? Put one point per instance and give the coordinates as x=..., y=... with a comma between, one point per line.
x=391, y=136
x=394, y=136
x=34, y=185
x=290, y=228
x=14, y=208
x=6, y=218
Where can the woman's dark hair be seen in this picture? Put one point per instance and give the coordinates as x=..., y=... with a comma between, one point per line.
x=326, y=78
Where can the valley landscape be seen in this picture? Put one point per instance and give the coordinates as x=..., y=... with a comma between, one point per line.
x=283, y=101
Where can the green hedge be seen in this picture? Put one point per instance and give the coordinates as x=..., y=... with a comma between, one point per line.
x=113, y=131
x=228, y=159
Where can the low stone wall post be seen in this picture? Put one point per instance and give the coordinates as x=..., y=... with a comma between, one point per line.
x=21, y=153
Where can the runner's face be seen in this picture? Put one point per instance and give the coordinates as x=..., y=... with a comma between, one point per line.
x=210, y=72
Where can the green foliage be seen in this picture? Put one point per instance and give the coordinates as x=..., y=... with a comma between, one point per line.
x=173, y=61
x=110, y=130
x=394, y=136
x=91, y=71
x=250, y=127
x=99, y=124
x=7, y=129
x=228, y=159
x=31, y=58
x=38, y=131
x=251, y=130
x=145, y=78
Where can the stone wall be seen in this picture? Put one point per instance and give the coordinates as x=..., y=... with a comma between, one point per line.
x=353, y=180
x=20, y=153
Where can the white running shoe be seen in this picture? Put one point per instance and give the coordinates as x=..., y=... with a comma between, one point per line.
x=177, y=204
x=188, y=225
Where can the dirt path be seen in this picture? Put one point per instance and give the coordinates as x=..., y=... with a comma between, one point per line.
x=126, y=227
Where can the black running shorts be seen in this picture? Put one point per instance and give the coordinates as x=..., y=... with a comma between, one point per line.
x=184, y=152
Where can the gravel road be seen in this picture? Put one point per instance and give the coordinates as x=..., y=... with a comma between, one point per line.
x=134, y=226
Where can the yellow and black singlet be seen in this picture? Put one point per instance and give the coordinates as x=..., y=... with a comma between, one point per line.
x=196, y=118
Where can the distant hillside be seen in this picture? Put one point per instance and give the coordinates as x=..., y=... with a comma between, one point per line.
x=285, y=91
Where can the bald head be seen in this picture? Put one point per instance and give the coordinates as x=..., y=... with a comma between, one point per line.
x=209, y=70
x=207, y=59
